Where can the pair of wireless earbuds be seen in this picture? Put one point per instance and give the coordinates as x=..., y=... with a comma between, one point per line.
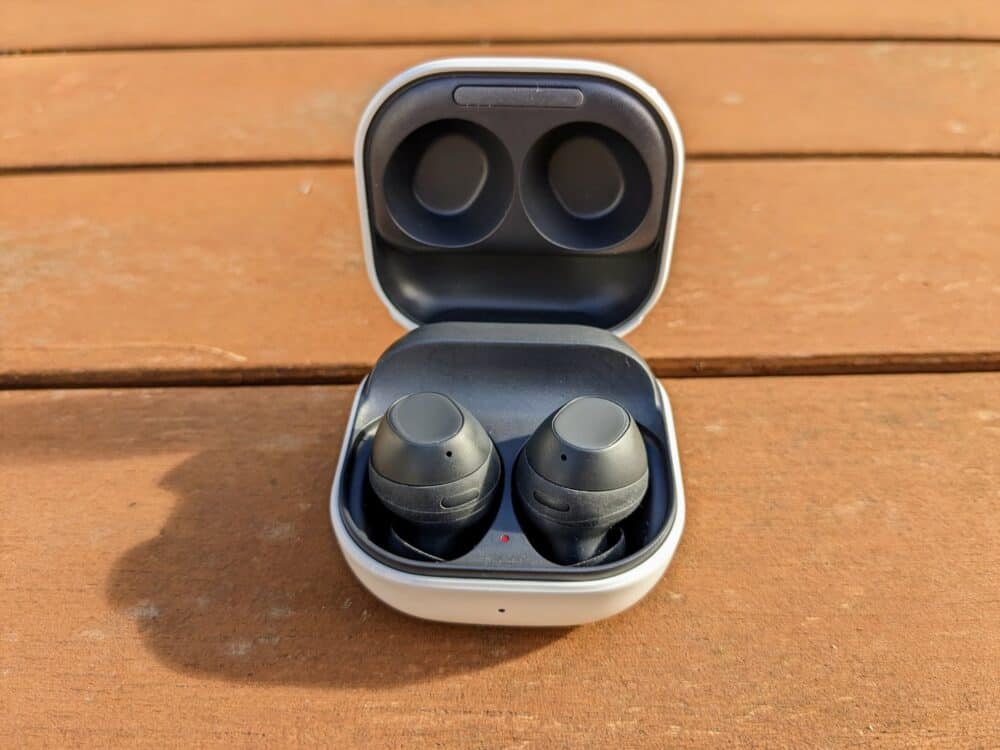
x=438, y=474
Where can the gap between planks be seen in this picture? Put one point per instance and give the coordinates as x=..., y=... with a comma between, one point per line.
x=690, y=157
x=278, y=44
x=715, y=367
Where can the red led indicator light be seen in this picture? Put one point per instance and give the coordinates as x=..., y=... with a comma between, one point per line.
x=504, y=538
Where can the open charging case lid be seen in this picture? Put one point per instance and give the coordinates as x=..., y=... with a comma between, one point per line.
x=465, y=165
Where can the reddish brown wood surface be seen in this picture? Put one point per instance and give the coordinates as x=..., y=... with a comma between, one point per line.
x=170, y=578
x=167, y=572
x=225, y=274
x=26, y=24
x=292, y=104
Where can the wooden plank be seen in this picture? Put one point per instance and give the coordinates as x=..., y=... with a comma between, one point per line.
x=304, y=104
x=170, y=551
x=226, y=275
x=28, y=24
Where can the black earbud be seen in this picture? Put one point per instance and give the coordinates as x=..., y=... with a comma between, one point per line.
x=436, y=471
x=583, y=471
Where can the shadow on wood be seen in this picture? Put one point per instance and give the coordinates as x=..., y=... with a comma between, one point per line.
x=244, y=580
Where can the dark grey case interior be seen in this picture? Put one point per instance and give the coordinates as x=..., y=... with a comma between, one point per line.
x=459, y=194
x=514, y=218
x=511, y=376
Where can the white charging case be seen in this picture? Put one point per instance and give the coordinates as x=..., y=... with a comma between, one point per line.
x=518, y=214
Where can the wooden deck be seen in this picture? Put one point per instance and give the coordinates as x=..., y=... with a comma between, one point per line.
x=184, y=313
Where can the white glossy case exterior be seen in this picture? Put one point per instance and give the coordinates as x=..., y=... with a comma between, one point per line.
x=504, y=601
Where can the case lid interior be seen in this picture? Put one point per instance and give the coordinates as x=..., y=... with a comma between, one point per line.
x=518, y=190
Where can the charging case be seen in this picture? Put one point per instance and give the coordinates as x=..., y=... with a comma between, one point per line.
x=518, y=215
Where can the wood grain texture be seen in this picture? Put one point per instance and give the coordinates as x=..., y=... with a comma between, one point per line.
x=304, y=104
x=170, y=579
x=780, y=266
x=28, y=24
